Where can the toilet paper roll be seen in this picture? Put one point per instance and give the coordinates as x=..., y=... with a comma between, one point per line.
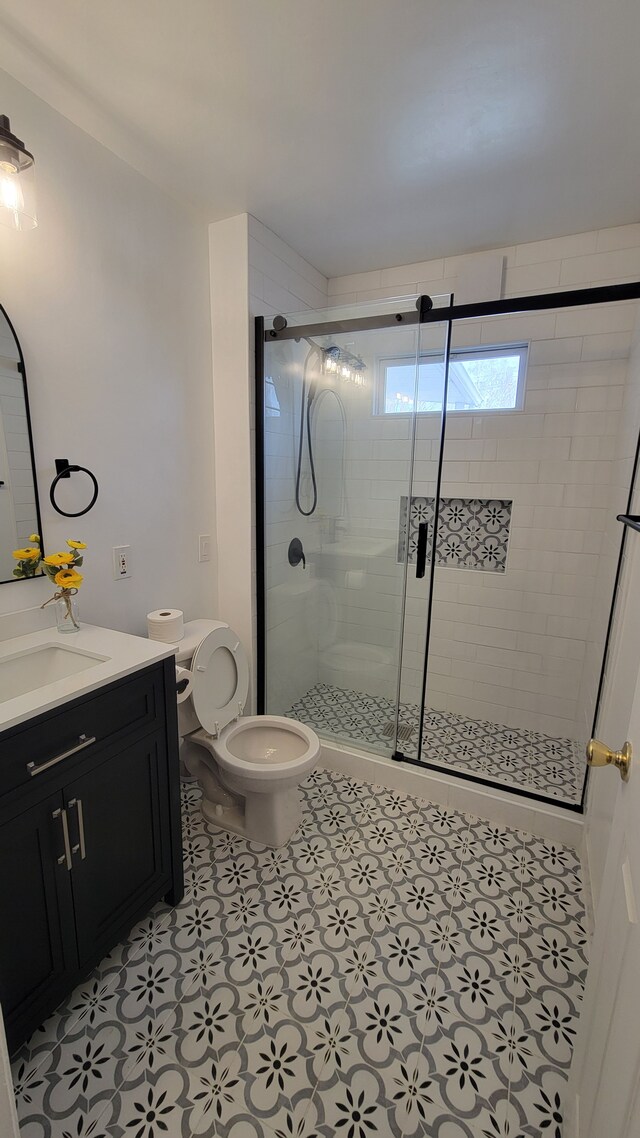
x=165, y=624
x=354, y=579
x=184, y=683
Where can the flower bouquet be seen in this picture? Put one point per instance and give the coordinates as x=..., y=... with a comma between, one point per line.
x=62, y=571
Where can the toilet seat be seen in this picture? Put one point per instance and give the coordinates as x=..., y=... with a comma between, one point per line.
x=220, y=672
x=267, y=747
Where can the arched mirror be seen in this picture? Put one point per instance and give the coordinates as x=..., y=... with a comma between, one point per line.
x=19, y=508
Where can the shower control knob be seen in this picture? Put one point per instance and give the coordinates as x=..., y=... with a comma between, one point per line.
x=296, y=553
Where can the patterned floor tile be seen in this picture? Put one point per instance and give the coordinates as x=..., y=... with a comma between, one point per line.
x=528, y=760
x=398, y=965
x=79, y=1074
x=540, y=1103
x=466, y=1076
x=355, y=1103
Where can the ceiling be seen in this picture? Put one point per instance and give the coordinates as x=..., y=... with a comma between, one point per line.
x=366, y=133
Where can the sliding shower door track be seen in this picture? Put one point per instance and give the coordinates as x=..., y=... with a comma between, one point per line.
x=574, y=807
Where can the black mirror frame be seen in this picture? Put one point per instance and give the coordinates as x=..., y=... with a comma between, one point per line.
x=23, y=372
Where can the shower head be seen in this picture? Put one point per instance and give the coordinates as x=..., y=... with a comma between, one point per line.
x=343, y=364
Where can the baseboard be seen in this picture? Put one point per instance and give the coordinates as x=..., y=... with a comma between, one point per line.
x=571, y=1120
x=587, y=892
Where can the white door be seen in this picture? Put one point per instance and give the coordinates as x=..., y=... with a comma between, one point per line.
x=603, y=1098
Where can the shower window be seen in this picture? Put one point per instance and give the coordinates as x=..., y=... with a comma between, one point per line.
x=480, y=379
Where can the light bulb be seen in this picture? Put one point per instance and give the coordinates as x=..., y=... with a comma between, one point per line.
x=11, y=196
x=17, y=197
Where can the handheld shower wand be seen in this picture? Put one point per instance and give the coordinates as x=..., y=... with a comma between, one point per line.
x=306, y=401
x=336, y=363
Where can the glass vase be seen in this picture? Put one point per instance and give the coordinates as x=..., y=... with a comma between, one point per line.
x=67, y=613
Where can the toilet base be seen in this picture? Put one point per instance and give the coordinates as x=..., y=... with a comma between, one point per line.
x=270, y=819
x=229, y=818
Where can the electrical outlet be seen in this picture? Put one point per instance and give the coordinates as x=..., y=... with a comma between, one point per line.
x=204, y=547
x=121, y=562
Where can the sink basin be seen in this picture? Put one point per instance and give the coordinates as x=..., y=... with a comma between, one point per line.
x=43, y=664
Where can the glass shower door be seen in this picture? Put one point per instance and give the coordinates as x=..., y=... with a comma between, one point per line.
x=535, y=469
x=419, y=516
x=343, y=607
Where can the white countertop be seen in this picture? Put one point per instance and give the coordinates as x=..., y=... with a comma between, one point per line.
x=124, y=654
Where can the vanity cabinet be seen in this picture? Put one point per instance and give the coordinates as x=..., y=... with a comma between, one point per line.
x=37, y=957
x=89, y=837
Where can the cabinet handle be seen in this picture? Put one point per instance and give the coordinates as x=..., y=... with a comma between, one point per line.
x=66, y=856
x=77, y=802
x=84, y=741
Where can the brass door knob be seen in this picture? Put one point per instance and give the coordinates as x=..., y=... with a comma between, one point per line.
x=599, y=755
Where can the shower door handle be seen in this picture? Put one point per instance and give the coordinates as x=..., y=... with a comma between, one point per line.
x=421, y=555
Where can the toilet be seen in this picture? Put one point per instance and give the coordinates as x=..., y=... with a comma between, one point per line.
x=249, y=767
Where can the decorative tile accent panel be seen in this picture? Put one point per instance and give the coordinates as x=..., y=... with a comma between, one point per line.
x=473, y=533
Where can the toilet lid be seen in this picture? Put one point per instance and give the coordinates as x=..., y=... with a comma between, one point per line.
x=220, y=679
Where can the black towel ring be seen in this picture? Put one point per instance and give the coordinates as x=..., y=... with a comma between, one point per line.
x=65, y=470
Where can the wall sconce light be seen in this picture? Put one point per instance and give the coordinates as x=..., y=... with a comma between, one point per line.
x=17, y=183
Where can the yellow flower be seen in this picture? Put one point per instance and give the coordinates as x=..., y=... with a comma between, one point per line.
x=35, y=537
x=59, y=559
x=68, y=579
x=76, y=544
x=27, y=554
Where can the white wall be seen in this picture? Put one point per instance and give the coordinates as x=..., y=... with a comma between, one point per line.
x=253, y=273
x=281, y=281
x=109, y=297
x=228, y=241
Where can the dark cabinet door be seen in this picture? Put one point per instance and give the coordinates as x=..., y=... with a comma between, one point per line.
x=117, y=812
x=37, y=935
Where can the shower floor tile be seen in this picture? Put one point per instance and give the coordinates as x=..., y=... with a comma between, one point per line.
x=512, y=757
x=387, y=969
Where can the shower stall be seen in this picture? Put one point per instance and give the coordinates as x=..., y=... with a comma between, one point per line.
x=436, y=491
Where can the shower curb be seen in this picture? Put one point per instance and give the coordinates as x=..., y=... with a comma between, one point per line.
x=553, y=823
